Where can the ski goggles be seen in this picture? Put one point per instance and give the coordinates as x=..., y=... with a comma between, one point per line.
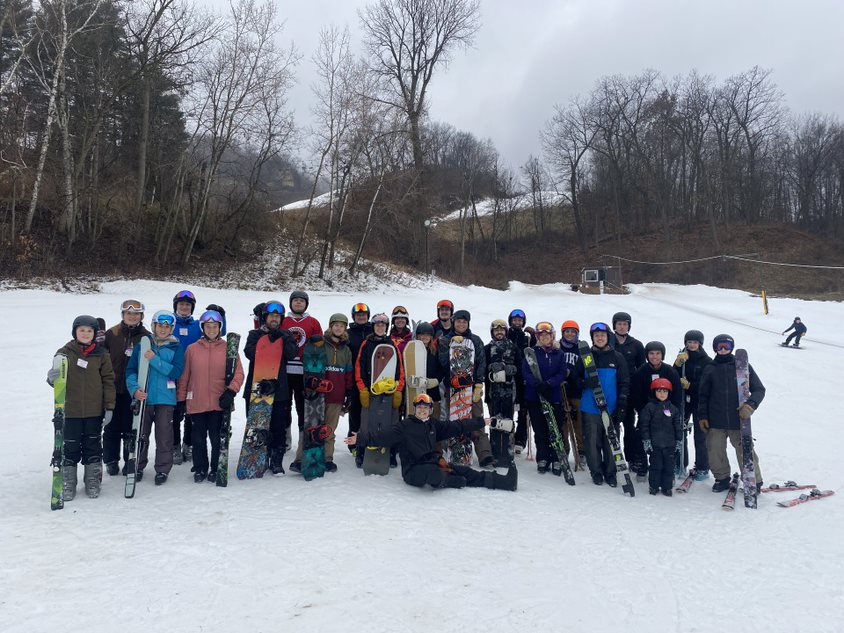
x=380, y=318
x=185, y=295
x=518, y=313
x=360, y=307
x=423, y=399
x=544, y=327
x=132, y=307
x=274, y=307
x=724, y=346
x=164, y=319
x=599, y=327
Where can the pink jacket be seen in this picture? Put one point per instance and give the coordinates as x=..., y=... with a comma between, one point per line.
x=204, y=378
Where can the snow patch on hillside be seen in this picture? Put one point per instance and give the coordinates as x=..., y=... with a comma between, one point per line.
x=486, y=206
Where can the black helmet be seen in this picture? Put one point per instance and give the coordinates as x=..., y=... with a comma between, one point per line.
x=621, y=316
x=187, y=296
x=655, y=346
x=694, y=335
x=84, y=320
x=423, y=327
x=258, y=312
x=299, y=294
x=723, y=338
x=462, y=314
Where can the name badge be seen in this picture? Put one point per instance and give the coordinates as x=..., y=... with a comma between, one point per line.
x=82, y=363
x=189, y=396
x=171, y=384
x=183, y=331
x=128, y=351
x=666, y=412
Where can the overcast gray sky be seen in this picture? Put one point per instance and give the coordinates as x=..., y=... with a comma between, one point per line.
x=531, y=54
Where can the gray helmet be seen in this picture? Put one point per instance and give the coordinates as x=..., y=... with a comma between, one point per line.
x=655, y=346
x=84, y=320
x=423, y=327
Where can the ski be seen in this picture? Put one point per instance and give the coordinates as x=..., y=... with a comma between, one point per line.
x=814, y=495
x=551, y=420
x=594, y=383
x=59, y=393
x=748, y=476
x=788, y=486
x=687, y=482
x=575, y=453
x=138, y=408
x=730, y=500
x=232, y=344
x=314, y=432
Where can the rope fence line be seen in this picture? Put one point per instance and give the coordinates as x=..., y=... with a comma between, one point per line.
x=741, y=258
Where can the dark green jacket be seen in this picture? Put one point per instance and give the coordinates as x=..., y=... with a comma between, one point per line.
x=90, y=381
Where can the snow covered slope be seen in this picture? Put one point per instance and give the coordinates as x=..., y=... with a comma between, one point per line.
x=372, y=554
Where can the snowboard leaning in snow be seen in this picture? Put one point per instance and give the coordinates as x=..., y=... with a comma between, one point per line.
x=551, y=420
x=314, y=431
x=461, y=383
x=232, y=343
x=748, y=476
x=730, y=499
x=138, y=408
x=254, y=456
x=502, y=361
x=59, y=392
x=594, y=383
x=379, y=417
x=814, y=495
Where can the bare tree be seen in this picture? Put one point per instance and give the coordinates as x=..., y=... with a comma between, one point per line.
x=407, y=40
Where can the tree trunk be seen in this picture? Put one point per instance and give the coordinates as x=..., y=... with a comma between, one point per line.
x=143, y=141
x=368, y=226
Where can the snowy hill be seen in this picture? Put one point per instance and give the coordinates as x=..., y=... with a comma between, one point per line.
x=486, y=206
x=373, y=554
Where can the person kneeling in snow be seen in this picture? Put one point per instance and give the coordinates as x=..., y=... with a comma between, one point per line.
x=416, y=437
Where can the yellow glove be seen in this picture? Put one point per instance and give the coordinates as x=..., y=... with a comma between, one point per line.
x=478, y=393
x=745, y=411
x=385, y=385
x=682, y=357
x=457, y=339
x=397, y=399
x=704, y=425
x=364, y=398
x=685, y=383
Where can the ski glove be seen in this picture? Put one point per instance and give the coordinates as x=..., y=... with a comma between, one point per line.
x=226, y=400
x=364, y=398
x=648, y=445
x=704, y=425
x=478, y=393
x=682, y=357
x=745, y=411
x=432, y=383
x=107, y=417
x=456, y=339
x=52, y=374
x=685, y=383
x=179, y=412
x=397, y=399
x=678, y=447
x=214, y=306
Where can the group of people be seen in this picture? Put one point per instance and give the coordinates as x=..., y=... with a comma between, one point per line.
x=653, y=404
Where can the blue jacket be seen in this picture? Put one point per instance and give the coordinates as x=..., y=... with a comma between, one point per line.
x=167, y=365
x=188, y=332
x=552, y=368
x=614, y=378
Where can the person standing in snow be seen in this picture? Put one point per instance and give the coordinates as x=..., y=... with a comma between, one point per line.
x=523, y=338
x=798, y=333
x=690, y=363
x=569, y=341
x=166, y=362
x=634, y=354
x=661, y=428
x=359, y=329
x=720, y=413
x=120, y=341
x=89, y=404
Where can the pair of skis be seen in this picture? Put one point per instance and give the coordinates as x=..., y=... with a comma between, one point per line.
x=813, y=495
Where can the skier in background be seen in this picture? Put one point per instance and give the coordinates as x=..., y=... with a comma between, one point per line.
x=797, y=334
x=719, y=411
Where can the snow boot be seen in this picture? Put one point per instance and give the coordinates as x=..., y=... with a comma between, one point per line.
x=92, y=477
x=701, y=475
x=212, y=477
x=160, y=478
x=330, y=467
x=276, y=457
x=668, y=492
x=557, y=468
x=598, y=479
x=653, y=491
x=198, y=478
x=612, y=482
x=112, y=469
x=295, y=467
x=68, y=482
x=177, y=454
x=721, y=485
x=496, y=481
x=139, y=475
x=187, y=452
x=542, y=466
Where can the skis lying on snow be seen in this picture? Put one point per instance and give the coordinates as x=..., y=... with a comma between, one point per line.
x=811, y=496
x=730, y=500
x=788, y=486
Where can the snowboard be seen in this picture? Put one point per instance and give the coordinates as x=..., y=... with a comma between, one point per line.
x=415, y=372
x=687, y=482
x=594, y=384
x=138, y=408
x=461, y=383
x=730, y=499
x=748, y=476
x=379, y=417
x=59, y=393
x=814, y=495
x=232, y=344
x=314, y=432
x=551, y=420
x=502, y=358
x=254, y=453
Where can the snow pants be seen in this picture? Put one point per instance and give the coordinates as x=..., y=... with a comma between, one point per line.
x=436, y=477
x=661, y=474
x=279, y=426
x=793, y=335
x=82, y=440
x=162, y=416
x=541, y=433
x=118, y=430
x=332, y=419
x=205, y=426
x=599, y=457
x=716, y=446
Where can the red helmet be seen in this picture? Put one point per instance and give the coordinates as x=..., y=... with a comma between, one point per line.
x=570, y=325
x=661, y=383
